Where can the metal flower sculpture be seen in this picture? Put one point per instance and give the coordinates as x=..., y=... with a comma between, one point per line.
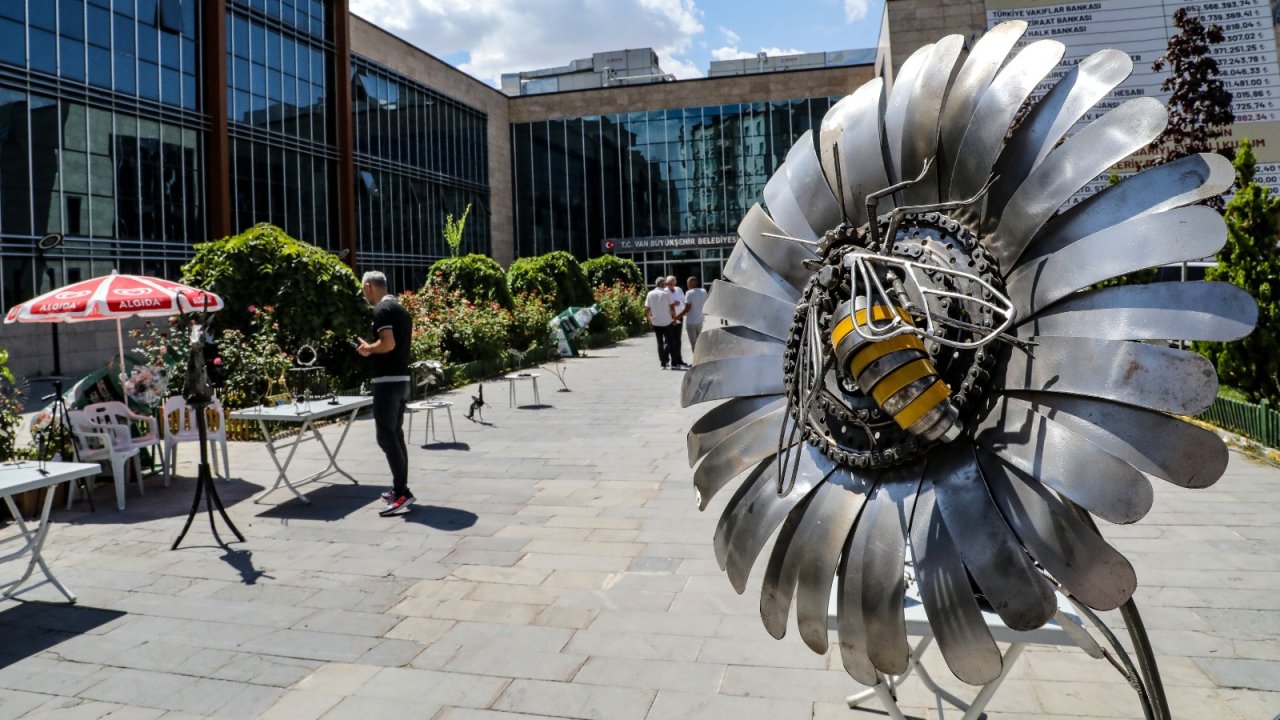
x=916, y=361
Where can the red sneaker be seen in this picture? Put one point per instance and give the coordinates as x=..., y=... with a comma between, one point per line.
x=401, y=503
x=388, y=496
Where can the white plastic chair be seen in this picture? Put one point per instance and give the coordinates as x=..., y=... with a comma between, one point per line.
x=180, y=426
x=98, y=442
x=117, y=416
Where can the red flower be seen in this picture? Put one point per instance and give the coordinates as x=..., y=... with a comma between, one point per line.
x=253, y=308
x=217, y=361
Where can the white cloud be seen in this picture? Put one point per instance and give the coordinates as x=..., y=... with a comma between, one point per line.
x=733, y=53
x=500, y=36
x=854, y=10
x=730, y=36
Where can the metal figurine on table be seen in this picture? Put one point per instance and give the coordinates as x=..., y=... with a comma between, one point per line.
x=198, y=395
x=918, y=368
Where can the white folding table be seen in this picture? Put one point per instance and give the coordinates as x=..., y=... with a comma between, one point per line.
x=306, y=413
x=1065, y=629
x=16, y=477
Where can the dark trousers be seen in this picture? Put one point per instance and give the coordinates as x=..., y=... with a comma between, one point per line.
x=662, y=334
x=674, y=343
x=389, y=400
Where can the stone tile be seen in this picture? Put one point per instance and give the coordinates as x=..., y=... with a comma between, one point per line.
x=269, y=670
x=417, y=629
x=634, y=645
x=1244, y=674
x=337, y=679
x=672, y=705
x=507, y=575
x=311, y=645
x=429, y=687
x=502, y=662
x=655, y=674
x=362, y=708
x=451, y=713
x=345, y=622
x=64, y=708
x=251, y=701
x=392, y=653
x=566, y=617
x=139, y=687
x=785, y=683
x=52, y=677
x=537, y=697
x=16, y=703
x=494, y=612
x=524, y=594
x=300, y=705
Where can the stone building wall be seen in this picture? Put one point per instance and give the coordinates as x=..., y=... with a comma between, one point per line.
x=914, y=23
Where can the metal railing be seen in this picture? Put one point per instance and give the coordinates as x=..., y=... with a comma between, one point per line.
x=1256, y=422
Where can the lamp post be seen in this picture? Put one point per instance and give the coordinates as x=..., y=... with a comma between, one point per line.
x=43, y=245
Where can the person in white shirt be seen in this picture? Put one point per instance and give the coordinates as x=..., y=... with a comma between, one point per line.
x=659, y=310
x=678, y=308
x=694, y=299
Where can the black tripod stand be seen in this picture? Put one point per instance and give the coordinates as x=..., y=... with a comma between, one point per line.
x=198, y=394
x=58, y=437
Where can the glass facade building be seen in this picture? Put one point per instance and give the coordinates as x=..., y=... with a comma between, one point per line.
x=107, y=129
x=100, y=139
x=586, y=184
x=420, y=156
x=283, y=146
x=135, y=129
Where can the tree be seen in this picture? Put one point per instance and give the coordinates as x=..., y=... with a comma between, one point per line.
x=315, y=295
x=1199, y=104
x=1251, y=261
x=453, y=230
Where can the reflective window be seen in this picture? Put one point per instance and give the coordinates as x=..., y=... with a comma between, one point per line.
x=684, y=171
x=137, y=49
x=420, y=156
x=94, y=174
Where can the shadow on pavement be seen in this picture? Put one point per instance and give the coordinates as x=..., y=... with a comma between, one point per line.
x=541, y=406
x=328, y=502
x=30, y=628
x=242, y=562
x=446, y=446
x=159, y=502
x=440, y=518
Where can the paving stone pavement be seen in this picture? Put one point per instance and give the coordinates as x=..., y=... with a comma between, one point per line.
x=556, y=566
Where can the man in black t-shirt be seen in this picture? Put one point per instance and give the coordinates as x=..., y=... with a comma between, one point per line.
x=389, y=361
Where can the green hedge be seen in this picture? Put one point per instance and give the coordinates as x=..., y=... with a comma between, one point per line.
x=316, y=296
x=478, y=277
x=612, y=270
x=555, y=277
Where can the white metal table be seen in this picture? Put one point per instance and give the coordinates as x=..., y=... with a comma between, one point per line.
x=514, y=378
x=430, y=407
x=306, y=413
x=16, y=477
x=1066, y=628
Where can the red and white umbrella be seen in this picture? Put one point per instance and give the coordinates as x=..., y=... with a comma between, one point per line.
x=114, y=297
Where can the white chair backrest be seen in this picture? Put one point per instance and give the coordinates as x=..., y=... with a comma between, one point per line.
x=89, y=435
x=178, y=416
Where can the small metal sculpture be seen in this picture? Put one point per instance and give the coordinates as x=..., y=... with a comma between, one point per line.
x=309, y=380
x=919, y=370
x=198, y=394
x=477, y=405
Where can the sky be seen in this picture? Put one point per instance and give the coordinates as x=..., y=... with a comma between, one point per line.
x=486, y=38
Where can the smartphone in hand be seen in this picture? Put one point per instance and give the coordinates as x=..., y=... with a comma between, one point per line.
x=355, y=344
